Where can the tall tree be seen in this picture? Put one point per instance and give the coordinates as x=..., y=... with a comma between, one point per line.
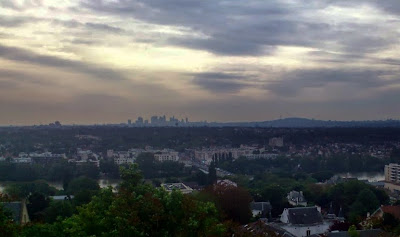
x=212, y=174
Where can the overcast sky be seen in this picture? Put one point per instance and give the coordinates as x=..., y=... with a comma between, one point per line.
x=95, y=61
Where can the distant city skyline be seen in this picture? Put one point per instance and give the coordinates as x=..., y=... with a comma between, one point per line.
x=103, y=61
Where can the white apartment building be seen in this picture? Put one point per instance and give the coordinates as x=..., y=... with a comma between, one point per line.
x=392, y=173
x=166, y=156
x=207, y=155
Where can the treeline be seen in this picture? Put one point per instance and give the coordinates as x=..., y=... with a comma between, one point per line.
x=62, y=171
x=335, y=164
x=139, y=209
x=64, y=140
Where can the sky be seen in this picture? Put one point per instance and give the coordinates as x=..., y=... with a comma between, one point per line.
x=106, y=61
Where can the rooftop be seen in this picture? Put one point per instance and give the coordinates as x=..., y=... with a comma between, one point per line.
x=304, y=215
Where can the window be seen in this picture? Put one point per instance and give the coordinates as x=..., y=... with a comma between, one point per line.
x=308, y=232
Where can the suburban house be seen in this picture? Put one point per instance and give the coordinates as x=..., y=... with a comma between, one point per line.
x=18, y=210
x=226, y=182
x=261, y=209
x=304, y=221
x=296, y=198
x=394, y=210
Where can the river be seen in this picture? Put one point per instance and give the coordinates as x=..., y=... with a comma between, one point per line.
x=370, y=176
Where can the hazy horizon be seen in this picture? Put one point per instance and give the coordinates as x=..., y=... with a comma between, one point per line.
x=107, y=61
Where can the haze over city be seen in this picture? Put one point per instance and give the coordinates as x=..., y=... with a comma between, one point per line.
x=101, y=61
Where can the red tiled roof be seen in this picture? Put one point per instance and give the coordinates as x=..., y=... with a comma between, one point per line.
x=394, y=210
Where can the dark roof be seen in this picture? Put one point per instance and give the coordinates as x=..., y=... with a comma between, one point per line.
x=277, y=229
x=304, y=215
x=15, y=208
x=261, y=206
x=363, y=233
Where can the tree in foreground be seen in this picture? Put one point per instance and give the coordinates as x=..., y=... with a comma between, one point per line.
x=141, y=210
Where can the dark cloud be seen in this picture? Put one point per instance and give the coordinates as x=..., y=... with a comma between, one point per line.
x=219, y=82
x=88, y=25
x=104, y=27
x=291, y=83
x=20, y=5
x=22, y=55
x=251, y=27
x=8, y=21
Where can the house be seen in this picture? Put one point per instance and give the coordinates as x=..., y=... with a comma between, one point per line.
x=394, y=210
x=262, y=209
x=304, y=221
x=18, y=210
x=226, y=182
x=296, y=198
x=169, y=187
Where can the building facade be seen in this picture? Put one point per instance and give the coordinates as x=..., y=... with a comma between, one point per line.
x=392, y=173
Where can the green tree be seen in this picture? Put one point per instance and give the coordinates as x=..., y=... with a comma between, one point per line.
x=22, y=190
x=352, y=232
x=212, y=174
x=58, y=209
x=147, y=164
x=37, y=202
x=141, y=210
x=82, y=184
x=233, y=202
x=7, y=226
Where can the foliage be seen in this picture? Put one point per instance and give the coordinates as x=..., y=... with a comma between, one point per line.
x=58, y=210
x=82, y=184
x=37, y=203
x=212, y=174
x=7, y=226
x=22, y=190
x=141, y=210
x=233, y=202
x=109, y=168
x=352, y=232
x=83, y=189
x=151, y=168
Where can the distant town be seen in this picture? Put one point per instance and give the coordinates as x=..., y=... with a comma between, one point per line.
x=276, y=172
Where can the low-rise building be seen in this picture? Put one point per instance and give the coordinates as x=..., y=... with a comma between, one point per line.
x=169, y=187
x=304, y=221
x=23, y=160
x=166, y=155
x=226, y=182
x=296, y=198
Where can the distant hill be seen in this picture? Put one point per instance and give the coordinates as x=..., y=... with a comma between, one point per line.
x=309, y=123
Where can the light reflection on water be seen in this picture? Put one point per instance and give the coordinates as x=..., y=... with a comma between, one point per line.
x=370, y=176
